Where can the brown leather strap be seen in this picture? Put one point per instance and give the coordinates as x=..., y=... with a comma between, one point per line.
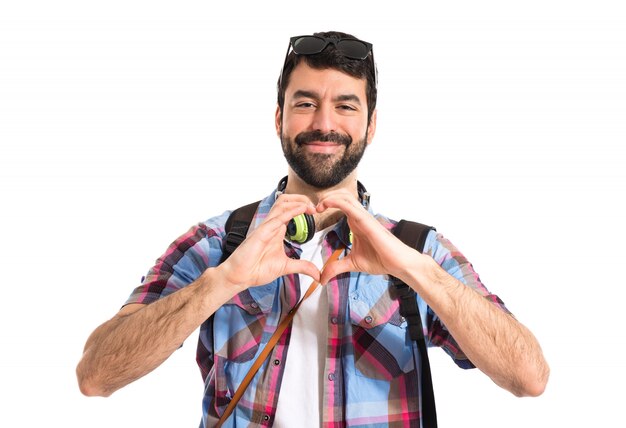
x=270, y=345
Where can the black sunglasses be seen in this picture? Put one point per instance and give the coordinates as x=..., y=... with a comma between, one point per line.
x=310, y=45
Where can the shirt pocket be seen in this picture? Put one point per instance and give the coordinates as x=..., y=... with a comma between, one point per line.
x=239, y=324
x=381, y=345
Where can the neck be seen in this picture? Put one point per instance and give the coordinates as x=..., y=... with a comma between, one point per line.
x=296, y=186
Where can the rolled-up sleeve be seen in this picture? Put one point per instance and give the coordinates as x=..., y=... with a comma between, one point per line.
x=183, y=262
x=455, y=263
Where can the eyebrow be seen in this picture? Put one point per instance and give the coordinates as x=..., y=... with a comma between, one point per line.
x=301, y=93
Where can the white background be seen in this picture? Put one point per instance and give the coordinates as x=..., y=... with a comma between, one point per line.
x=123, y=123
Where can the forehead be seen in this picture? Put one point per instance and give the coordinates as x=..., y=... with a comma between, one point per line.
x=327, y=81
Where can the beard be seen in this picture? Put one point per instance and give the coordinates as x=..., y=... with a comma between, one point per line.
x=322, y=170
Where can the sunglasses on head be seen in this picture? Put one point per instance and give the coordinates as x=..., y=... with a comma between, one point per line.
x=350, y=48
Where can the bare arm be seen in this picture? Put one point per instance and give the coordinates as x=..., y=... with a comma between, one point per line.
x=493, y=340
x=140, y=337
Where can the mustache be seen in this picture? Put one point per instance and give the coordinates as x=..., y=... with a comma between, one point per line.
x=330, y=137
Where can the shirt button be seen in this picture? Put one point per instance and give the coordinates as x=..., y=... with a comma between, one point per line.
x=266, y=417
x=276, y=362
x=334, y=320
x=368, y=319
x=331, y=376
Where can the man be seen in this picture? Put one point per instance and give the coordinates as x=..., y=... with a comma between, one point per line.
x=346, y=359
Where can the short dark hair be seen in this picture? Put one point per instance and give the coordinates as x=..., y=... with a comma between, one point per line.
x=330, y=57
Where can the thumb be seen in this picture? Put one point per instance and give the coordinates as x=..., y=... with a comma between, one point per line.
x=333, y=269
x=304, y=267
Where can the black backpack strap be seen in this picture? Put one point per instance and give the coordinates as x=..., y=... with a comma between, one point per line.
x=237, y=227
x=414, y=235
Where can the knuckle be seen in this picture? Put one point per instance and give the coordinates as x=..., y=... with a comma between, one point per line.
x=282, y=199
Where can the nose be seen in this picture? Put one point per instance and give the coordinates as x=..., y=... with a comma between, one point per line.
x=324, y=120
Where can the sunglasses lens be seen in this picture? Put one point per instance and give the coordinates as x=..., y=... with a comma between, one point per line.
x=308, y=45
x=354, y=49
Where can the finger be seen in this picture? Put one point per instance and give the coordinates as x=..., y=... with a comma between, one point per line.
x=288, y=212
x=290, y=199
x=344, y=202
x=280, y=210
x=336, y=193
x=282, y=215
x=268, y=231
x=274, y=227
x=304, y=267
x=335, y=268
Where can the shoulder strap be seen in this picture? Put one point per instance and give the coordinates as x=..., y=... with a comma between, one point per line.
x=271, y=343
x=237, y=227
x=414, y=235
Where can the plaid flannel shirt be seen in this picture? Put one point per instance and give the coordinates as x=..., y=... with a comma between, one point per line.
x=370, y=375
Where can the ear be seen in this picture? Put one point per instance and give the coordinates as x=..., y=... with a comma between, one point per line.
x=278, y=120
x=371, y=129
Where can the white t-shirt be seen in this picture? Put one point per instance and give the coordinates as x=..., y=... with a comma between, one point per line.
x=300, y=398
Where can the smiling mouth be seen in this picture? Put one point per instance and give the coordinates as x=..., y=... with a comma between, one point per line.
x=325, y=147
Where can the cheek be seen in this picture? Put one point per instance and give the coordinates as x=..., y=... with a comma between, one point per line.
x=358, y=131
x=293, y=125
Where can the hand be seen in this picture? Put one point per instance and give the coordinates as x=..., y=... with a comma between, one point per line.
x=261, y=257
x=375, y=250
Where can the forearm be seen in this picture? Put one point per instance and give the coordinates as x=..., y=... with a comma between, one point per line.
x=492, y=339
x=130, y=345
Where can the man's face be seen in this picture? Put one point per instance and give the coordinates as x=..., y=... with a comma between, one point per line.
x=323, y=128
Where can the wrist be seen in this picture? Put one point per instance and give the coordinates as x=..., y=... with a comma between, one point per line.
x=417, y=270
x=218, y=280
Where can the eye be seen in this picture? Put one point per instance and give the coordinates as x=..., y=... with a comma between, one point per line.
x=346, y=107
x=305, y=104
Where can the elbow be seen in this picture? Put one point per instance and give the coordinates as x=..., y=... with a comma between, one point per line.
x=538, y=387
x=531, y=389
x=534, y=384
x=88, y=386
x=88, y=390
x=91, y=390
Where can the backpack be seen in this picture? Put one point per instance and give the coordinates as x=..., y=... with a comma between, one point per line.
x=412, y=234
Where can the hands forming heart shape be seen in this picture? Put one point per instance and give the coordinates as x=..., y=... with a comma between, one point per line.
x=261, y=257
